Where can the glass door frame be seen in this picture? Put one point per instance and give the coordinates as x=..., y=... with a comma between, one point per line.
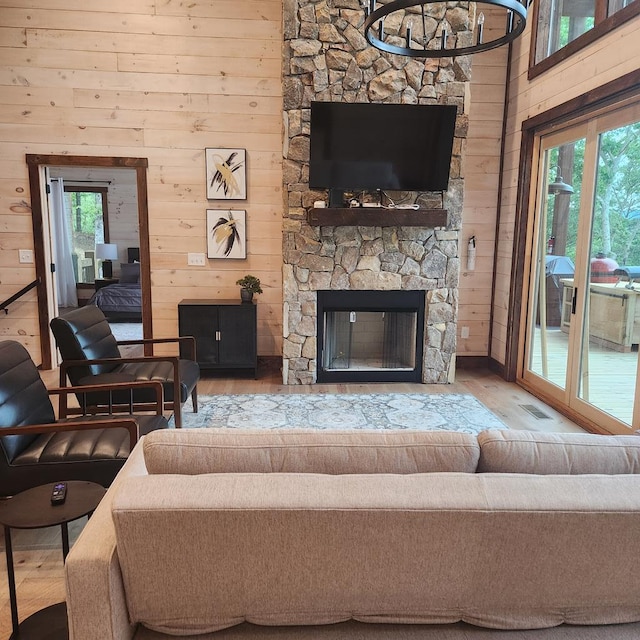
x=543, y=142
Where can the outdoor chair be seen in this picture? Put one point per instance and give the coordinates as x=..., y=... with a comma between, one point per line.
x=91, y=355
x=36, y=448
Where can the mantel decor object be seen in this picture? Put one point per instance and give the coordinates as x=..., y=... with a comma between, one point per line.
x=437, y=46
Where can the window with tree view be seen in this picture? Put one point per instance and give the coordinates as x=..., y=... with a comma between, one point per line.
x=86, y=211
x=560, y=22
x=616, y=213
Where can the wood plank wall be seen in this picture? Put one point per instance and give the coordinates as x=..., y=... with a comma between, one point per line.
x=160, y=79
x=164, y=79
x=481, y=176
x=610, y=57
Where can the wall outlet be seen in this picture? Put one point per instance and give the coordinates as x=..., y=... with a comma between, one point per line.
x=464, y=332
x=196, y=259
x=26, y=256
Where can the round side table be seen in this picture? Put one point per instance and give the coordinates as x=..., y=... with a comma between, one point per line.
x=32, y=509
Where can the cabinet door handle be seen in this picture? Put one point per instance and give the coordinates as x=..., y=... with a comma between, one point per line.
x=218, y=336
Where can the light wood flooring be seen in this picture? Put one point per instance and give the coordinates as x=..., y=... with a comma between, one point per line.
x=38, y=556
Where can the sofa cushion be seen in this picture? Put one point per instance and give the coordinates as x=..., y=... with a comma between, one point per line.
x=557, y=453
x=309, y=451
x=200, y=553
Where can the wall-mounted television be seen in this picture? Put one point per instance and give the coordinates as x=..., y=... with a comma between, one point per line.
x=364, y=146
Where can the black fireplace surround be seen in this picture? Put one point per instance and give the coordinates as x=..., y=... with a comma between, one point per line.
x=370, y=336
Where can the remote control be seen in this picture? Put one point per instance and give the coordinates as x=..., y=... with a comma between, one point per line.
x=59, y=493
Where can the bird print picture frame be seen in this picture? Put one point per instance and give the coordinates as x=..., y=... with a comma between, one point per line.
x=226, y=234
x=226, y=174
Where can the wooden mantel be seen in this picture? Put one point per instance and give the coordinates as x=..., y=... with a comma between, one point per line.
x=377, y=217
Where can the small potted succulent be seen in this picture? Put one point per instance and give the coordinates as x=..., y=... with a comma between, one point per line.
x=248, y=286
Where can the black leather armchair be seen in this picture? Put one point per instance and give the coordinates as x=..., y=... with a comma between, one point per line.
x=90, y=355
x=36, y=449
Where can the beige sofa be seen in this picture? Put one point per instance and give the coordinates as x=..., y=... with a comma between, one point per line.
x=227, y=535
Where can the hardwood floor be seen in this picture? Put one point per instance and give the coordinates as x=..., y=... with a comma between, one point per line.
x=38, y=555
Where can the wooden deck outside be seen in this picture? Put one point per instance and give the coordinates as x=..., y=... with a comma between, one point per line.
x=612, y=375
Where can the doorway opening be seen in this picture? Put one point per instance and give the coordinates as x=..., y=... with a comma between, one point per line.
x=120, y=242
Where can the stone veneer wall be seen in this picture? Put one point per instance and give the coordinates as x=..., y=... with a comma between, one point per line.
x=326, y=58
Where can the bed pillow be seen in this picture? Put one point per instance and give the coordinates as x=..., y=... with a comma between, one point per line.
x=129, y=272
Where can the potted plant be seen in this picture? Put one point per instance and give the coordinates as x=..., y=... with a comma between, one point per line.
x=248, y=286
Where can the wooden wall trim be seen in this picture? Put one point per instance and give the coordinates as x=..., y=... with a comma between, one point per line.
x=145, y=255
x=81, y=161
x=472, y=362
x=496, y=239
x=496, y=367
x=518, y=257
x=40, y=265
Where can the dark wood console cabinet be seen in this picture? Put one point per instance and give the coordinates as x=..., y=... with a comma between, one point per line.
x=225, y=333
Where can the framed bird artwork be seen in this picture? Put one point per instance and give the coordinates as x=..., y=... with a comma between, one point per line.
x=226, y=174
x=226, y=234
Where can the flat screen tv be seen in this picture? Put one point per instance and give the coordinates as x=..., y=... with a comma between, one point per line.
x=364, y=146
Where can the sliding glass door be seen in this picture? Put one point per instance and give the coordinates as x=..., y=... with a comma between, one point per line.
x=583, y=312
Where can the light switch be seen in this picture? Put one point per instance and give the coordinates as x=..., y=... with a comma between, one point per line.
x=26, y=256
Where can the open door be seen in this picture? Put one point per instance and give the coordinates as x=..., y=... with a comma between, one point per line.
x=583, y=325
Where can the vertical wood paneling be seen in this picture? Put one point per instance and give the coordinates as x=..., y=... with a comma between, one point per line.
x=481, y=176
x=609, y=58
x=160, y=79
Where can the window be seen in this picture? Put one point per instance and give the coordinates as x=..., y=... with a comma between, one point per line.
x=86, y=208
x=565, y=26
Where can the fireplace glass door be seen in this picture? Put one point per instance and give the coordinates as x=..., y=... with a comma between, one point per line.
x=370, y=336
x=370, y=340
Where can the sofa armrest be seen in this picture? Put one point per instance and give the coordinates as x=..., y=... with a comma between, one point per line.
x=96, y=601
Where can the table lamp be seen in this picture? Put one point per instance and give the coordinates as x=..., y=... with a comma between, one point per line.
x=107, y=253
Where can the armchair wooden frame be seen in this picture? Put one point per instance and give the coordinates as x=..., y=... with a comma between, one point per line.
x=111, y=408
x=175, y=405
x=110, y=420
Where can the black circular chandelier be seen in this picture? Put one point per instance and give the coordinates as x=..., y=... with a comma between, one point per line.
x=516, y=21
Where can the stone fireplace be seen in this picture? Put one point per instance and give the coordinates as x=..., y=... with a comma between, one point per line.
x=326, y=58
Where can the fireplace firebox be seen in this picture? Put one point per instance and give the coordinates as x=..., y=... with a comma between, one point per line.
x=370, y=336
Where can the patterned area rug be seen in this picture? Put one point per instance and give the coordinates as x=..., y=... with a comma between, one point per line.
x=126, y=330
x=417, y=411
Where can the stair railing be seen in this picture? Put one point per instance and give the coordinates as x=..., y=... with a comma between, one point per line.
x=5, y=305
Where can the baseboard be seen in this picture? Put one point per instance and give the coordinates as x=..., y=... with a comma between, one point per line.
x=269, y=363
x=472, y=362
x=481, y=362
x=498, y=368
